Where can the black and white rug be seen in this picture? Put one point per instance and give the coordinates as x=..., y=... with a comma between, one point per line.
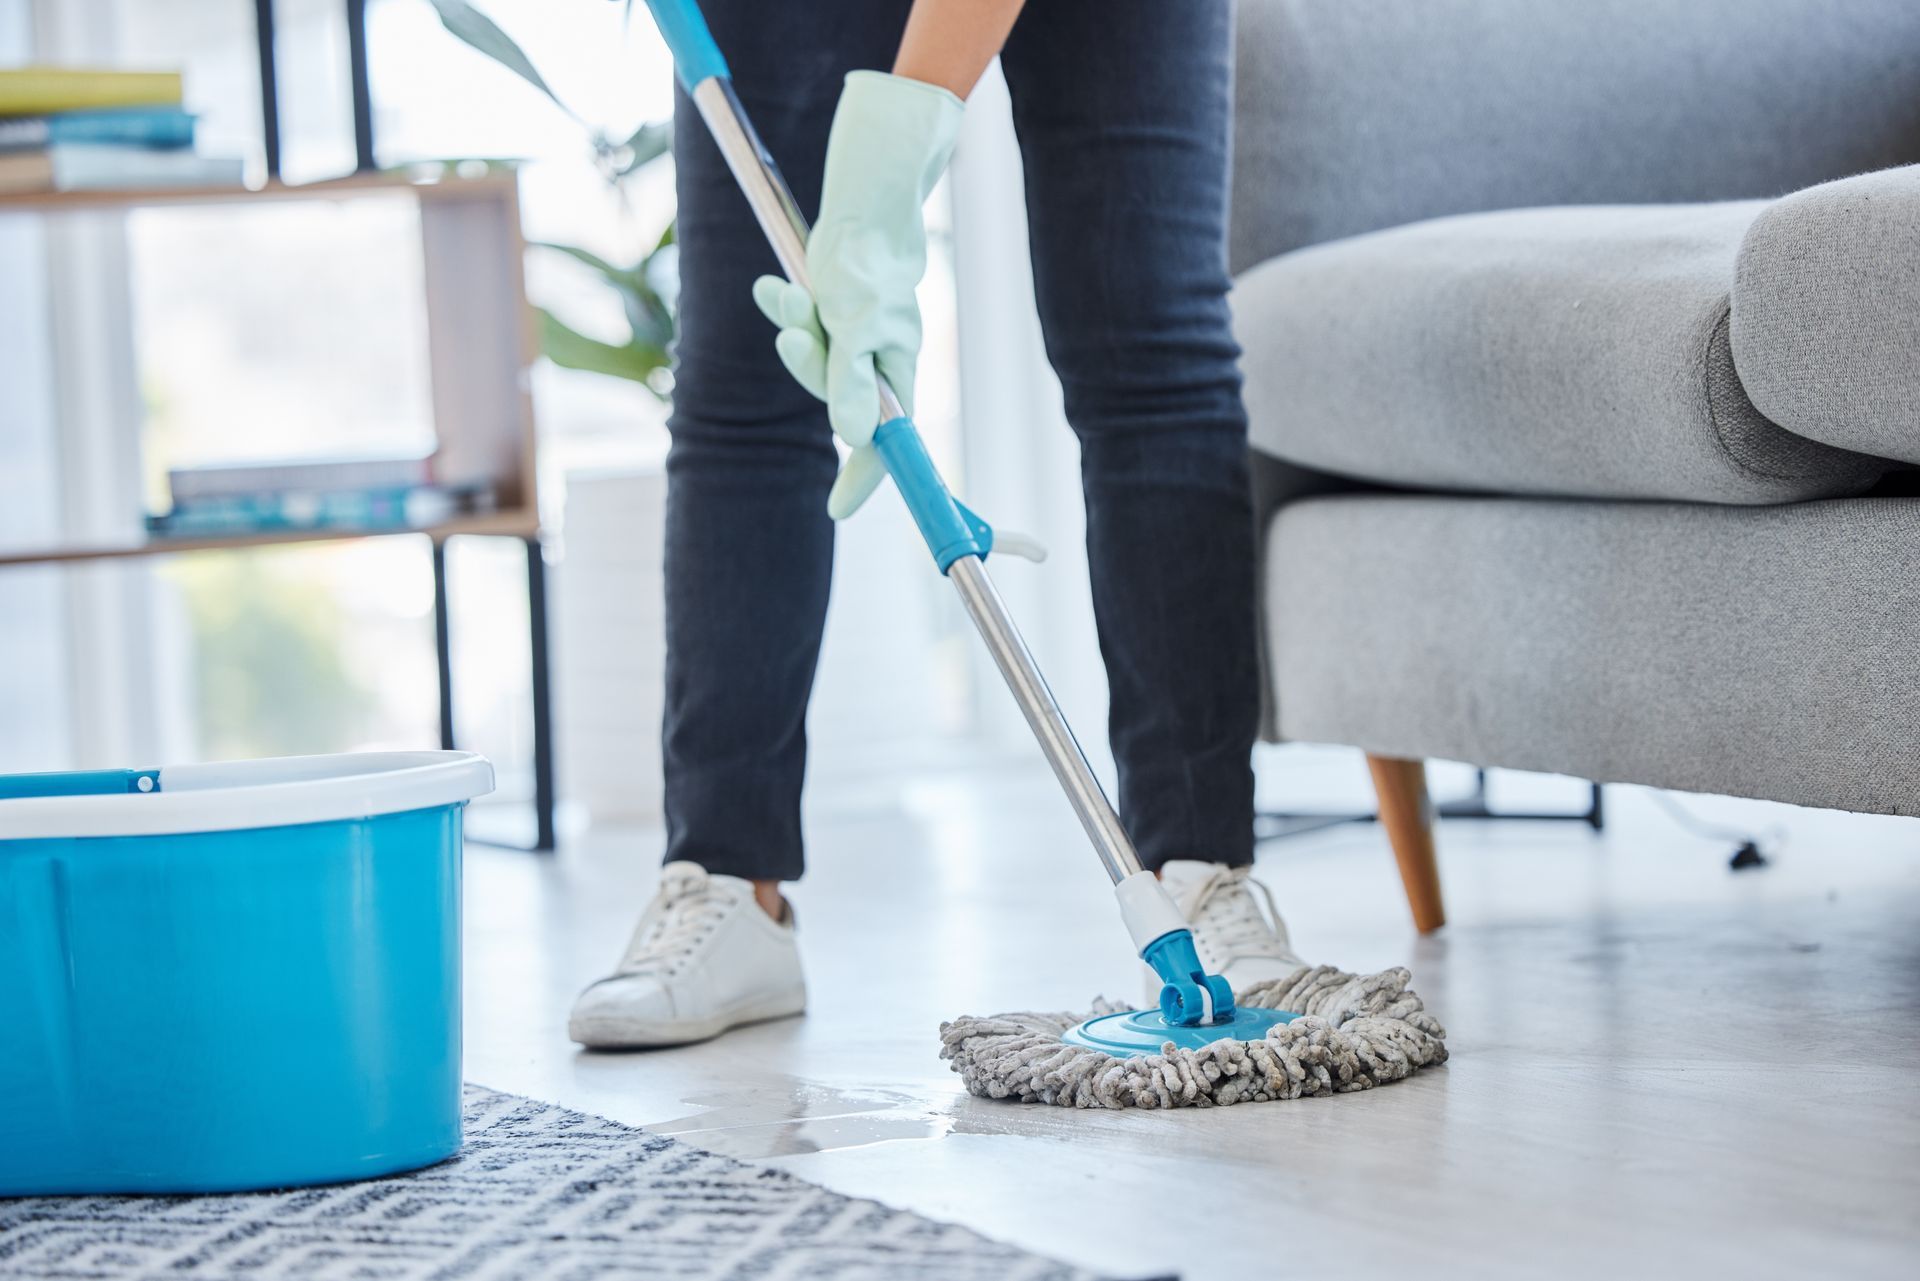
x=537, y=1192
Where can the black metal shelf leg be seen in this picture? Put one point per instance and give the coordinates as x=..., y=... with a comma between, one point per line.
x=359, y=88
x=540, y=683
x=269, y=85
x=443, y=644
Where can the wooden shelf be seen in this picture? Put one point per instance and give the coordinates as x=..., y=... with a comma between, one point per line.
x=450, y=188
x=517, y=524
x=481, y=344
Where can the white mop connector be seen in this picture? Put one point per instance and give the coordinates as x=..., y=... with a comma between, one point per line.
x=1189, y=994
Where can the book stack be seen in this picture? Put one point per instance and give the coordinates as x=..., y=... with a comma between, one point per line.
x=71, y=129
x=369, y=494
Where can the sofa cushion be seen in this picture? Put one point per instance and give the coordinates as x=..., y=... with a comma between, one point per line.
x=1579, y=352
x=1356, y=115
x=1755, y=651
x=1826, y=313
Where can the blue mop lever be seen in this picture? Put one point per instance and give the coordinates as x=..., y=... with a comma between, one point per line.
x=950, y=529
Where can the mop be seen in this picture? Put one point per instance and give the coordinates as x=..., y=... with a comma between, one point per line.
x=1318, y=1031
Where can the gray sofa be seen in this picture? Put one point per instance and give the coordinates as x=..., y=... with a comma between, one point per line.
x=1583, y=363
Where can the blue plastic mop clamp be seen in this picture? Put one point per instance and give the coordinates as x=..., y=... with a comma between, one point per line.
x=1191, y=995
x=1196, y=1009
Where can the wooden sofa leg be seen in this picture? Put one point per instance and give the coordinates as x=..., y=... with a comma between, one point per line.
x=1407, y=814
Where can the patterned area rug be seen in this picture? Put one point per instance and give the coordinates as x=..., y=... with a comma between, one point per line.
x=537, y=1192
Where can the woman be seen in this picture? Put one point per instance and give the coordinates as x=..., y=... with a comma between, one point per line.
x=1123, y=113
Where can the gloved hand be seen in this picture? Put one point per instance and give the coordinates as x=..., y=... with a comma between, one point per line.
x=889, y=144
x=803, y=350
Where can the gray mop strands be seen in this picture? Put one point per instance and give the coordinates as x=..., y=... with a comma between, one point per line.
x=1356, y=1032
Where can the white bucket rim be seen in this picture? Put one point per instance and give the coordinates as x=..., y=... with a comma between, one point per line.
x=280, y=791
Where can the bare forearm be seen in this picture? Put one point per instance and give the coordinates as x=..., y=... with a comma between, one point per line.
x=950, y=42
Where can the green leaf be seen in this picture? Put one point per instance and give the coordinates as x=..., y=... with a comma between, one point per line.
x=647, y=312
x=619, y=276
x=661, y=270
x=652, y=321
x=647, y=144
x=480, y=32
x=568, y=348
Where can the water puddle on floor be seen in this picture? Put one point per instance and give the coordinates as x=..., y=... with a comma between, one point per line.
x=785, y=1117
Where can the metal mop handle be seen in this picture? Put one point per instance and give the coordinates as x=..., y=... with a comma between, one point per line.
x=958, y=539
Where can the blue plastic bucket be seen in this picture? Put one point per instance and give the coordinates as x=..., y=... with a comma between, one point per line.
x=231, y=976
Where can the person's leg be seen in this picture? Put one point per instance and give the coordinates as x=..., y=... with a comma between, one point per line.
x=749, y=550
x=749, y=546
x=1123, y=109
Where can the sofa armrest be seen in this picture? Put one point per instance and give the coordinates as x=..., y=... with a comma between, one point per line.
x=1826, y=313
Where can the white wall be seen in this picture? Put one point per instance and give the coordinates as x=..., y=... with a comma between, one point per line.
x=32, y=666
x=69, y=440
x=1022, y=464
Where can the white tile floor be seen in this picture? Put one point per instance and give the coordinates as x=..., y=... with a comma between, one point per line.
x=1660, y=1068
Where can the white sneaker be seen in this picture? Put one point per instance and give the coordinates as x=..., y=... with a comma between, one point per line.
x=1233, y=936
x=703, y=959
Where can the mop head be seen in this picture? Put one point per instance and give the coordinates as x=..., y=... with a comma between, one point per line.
x=1355, y=1032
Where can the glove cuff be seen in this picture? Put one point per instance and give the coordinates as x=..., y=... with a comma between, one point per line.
x=913, y=125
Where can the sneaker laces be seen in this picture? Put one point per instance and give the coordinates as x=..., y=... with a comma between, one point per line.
x=678, y=921
x=1225, y=907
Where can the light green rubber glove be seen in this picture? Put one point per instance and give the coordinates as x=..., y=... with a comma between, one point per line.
x=890, y=142
x=803, y=350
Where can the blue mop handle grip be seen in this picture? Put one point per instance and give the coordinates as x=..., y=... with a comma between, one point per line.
x=695, y=56
x=949, y=527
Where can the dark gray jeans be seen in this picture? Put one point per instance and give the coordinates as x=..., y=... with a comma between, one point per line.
x=1123, y=113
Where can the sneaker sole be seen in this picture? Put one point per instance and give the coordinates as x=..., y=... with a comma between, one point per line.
x=604, y=1033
